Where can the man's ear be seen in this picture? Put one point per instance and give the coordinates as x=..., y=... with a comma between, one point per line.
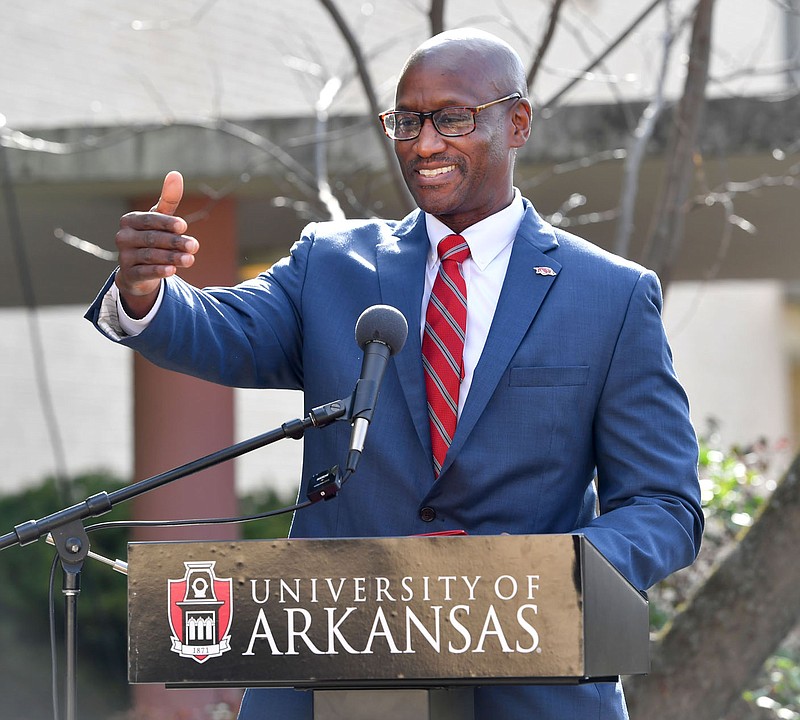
x=521, y=118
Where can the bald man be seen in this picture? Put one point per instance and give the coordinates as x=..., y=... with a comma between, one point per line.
x=565, y=416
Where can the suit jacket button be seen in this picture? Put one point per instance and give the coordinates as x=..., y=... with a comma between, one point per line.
x=427, y=514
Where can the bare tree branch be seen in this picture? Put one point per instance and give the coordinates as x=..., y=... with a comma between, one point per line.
x=667, y=228
x=638, y=145
x=18, y=140
x=544, y=45
x=572, y=166
x=326, y=197
x=181, y=23
x=436, y=16
x=369, y=91
x=603, y=55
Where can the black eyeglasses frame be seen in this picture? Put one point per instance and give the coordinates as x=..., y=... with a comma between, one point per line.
x=432, y=114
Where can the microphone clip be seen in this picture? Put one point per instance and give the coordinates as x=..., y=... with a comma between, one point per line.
x=325, y=485
x=336, y=410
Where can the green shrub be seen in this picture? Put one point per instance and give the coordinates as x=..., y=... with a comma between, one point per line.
x=102, y=607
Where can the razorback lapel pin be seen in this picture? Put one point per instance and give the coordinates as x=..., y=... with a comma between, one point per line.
x=544, y=270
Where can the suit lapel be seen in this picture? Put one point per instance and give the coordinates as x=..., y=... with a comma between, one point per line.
x=400, y=263
x=530, y=275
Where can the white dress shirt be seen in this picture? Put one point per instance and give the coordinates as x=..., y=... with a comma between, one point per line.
x=490, y=242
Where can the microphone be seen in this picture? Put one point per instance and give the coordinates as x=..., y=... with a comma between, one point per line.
x=381, y=331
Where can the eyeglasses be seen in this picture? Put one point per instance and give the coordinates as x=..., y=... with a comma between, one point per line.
x=449, y=121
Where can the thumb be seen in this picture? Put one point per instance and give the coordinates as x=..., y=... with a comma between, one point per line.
x=171, y=194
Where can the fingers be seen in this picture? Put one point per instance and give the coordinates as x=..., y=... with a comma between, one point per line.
x=151, y=246
x=171, y=194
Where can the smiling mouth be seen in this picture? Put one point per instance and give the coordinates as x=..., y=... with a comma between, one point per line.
x=434, y=172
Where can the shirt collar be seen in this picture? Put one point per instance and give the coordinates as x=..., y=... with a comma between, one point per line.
x=486, y=239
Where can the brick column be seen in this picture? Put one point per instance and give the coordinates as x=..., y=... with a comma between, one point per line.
x=177, y=419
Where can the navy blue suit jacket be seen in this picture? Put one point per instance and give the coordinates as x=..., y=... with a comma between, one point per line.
x=576, y=381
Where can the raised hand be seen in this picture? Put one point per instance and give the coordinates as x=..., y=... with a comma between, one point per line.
x=152, y=245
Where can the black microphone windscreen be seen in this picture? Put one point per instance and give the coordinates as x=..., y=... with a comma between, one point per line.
x=382, y=323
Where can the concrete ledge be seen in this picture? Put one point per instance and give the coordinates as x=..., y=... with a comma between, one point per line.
x=274, y=148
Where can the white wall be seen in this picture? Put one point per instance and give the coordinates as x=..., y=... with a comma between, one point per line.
x=277, y=465
x=728, y=340
x=90, y=380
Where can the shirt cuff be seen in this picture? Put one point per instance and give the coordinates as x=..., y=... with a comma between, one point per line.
x=117, y=324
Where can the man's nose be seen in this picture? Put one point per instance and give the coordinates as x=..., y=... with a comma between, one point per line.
x=429, y=141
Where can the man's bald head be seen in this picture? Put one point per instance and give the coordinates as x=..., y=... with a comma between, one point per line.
x=492, y=61
x=462, y=177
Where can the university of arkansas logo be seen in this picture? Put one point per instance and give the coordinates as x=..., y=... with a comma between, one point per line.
x=200, y=609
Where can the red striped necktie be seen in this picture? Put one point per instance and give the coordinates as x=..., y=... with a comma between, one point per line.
x=443, y=345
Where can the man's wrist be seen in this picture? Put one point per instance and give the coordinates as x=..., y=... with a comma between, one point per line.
x=137, y=307
x=132, y=326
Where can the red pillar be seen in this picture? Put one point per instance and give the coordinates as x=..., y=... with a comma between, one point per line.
x=178, y=418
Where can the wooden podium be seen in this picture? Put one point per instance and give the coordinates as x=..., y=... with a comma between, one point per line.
x=411, y=622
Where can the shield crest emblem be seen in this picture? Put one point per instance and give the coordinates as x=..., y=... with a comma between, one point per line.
x=200, y=611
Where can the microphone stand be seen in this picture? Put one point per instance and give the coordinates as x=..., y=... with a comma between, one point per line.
x=72, y=542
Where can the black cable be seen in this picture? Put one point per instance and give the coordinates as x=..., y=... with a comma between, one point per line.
x=196, y=521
